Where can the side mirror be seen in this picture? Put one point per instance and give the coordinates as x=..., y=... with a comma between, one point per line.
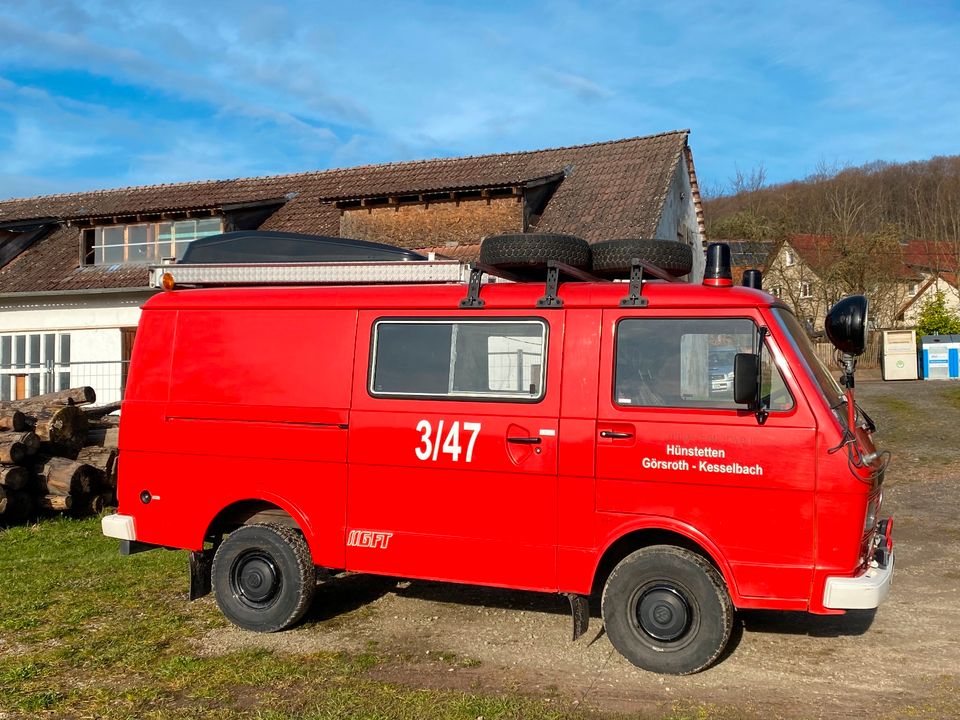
x=746, y=375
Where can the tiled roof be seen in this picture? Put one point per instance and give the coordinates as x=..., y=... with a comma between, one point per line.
x=750, y=253
x=817, y=251
x=611, y=189
x=931, y=255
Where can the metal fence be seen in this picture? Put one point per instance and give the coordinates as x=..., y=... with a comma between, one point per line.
x=106, y=377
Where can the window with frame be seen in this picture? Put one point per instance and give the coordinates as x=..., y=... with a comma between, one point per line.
x=33, y=363
x=790, y=258
x=806, y=290
x=664, y=362
x=482, y=359
x=146, y=242
x=776, y=291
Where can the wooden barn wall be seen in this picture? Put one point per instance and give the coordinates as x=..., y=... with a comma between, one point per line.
x=435, y=224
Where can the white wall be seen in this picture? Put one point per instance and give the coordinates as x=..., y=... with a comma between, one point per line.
x=679, y=218
x=912, y=314
x=66, y=312
x=93, y=323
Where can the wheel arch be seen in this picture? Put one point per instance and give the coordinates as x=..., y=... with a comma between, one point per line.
x=636, y=536
x=249, y=511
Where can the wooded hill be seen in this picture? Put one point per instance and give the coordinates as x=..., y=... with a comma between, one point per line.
x=879, y=200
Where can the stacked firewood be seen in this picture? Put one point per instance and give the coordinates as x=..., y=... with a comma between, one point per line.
x=57, y=455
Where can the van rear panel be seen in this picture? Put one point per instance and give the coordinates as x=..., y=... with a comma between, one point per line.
x=249, y=403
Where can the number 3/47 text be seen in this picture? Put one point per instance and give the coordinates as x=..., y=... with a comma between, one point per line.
x=431, y=445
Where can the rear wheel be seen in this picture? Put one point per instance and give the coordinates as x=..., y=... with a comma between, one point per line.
x=526, y=254
x=667, y=610
x=263, y=577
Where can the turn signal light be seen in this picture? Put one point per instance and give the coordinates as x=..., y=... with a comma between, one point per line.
x=167, y=282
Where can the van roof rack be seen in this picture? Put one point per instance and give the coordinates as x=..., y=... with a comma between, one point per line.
x=312, y=273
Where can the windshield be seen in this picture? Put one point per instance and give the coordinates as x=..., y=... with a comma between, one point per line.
x=831, y=390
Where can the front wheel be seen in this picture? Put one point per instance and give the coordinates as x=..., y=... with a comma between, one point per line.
x=263, y=577
x=666, y=609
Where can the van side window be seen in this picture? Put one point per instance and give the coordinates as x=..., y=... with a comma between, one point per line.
x=484, y=359
x=688, y=363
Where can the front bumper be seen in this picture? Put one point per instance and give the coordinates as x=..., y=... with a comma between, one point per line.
x=862, y=592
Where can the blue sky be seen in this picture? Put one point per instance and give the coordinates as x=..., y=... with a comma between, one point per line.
x=108, y=94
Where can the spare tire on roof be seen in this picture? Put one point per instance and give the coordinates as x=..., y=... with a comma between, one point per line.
x=611, y=258
x=526, y=254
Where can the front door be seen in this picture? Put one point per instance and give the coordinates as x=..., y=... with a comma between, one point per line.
x=453, y=448
x=672, y=446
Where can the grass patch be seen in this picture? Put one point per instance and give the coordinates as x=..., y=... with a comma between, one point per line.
x=87, y=633
x=952, y=396
x=894, y=404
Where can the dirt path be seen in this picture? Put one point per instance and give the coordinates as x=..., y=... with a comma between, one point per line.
x=902, y=661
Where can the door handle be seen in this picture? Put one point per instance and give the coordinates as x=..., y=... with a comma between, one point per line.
x=524, y=440
x=615, y=435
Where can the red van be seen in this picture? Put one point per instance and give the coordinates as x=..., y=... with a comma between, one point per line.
x=676, y=448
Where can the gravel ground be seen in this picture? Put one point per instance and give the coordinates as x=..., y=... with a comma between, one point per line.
x=901, y=661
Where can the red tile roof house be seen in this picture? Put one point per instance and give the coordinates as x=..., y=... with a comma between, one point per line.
x=73, y=268
x=802, y=272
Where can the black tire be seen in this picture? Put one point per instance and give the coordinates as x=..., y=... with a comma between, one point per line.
x=611, y=258
x=527, y=254
x=263, y=577
x=666, y=609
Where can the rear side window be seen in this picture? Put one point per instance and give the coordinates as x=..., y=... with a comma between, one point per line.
x=484, y=359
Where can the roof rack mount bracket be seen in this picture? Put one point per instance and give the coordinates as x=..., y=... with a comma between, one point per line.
x=555, y=268
x=635, y=296
x=473, y=299
x=550, y=298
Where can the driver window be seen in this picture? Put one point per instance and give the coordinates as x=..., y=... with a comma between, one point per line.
x=688, y=363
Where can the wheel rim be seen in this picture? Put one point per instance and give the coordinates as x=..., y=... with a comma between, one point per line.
x=255, y=579
x=663, y=613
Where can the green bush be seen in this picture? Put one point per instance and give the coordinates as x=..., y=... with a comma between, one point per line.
x=936, y=318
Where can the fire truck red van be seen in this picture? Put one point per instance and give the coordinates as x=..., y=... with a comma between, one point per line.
x=677, y=450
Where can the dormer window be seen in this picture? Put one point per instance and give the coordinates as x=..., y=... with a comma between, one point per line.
x=145, y=242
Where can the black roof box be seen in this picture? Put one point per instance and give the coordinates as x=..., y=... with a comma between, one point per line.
x=263, y=246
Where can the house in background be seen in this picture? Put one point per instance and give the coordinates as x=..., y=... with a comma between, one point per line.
x=749, y=255
x=935, y=268
x=73, y=268
x=802, y=271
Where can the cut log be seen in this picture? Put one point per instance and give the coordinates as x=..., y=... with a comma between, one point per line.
x=12, y=452
x=103, y=461
x=95, y=413
x=73, y=396
x=20, y=508
x=65, y=428
x=103, y=435
x=101, y=458
x=98, y=503
x=29, y=440
x=59, y=476
x=60, y=503
x=13, y=420
x=13, y=477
